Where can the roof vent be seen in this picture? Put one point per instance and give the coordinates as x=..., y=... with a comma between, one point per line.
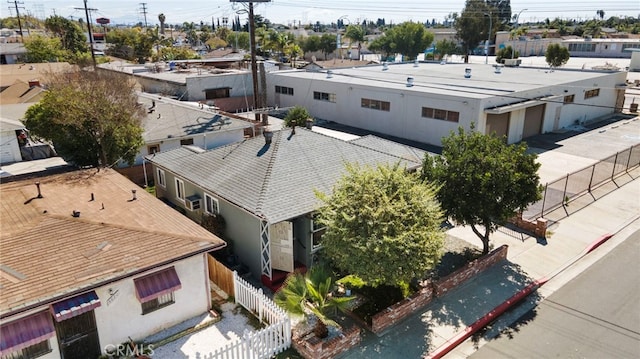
x=416, y=63
x=409, y=81
x=467, y=73
x=329, y=74
x=38, y=187
x=385, y=66
x=75, y=214
x=133, y=195
x=268, y=136
x=497, y=69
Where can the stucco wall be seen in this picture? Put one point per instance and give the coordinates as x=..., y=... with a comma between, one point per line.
x=240, y=84
x=9, y=149
x=53, y=341
x=121, y=317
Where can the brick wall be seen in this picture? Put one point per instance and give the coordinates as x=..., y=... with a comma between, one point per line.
x=316, y=348
x=537, y=227
x=430, y=290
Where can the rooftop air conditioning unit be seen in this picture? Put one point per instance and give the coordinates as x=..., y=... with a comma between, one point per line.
x=512, y=62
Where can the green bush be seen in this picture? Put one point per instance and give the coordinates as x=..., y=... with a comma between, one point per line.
x=351, y=282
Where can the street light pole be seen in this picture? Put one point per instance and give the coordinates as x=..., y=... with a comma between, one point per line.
x=486, y=46
x=513, y=48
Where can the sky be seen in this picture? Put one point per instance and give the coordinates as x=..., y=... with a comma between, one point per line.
x=308, y=11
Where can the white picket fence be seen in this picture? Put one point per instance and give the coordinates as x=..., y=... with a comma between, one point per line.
x=264, y=343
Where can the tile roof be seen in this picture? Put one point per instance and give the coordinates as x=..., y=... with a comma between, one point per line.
x=46, y=253
x=275, y=181
x=172, y=118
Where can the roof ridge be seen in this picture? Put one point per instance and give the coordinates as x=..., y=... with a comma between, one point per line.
x=267, y=176
x=384, y=152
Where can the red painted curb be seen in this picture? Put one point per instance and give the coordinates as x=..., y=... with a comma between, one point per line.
x=598, y=242
x=486, y=319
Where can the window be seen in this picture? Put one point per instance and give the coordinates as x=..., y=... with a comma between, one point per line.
x=186, y=142
x=591, y=93
x=211, y=204
x=180, y=189
x=211, y=94
x=151, y=149
x=29, y=352
x=284, y=90
x=582, y=47
x=375, y=104
x=157, y=303
x=323, y=96
x=317, y=231
x=569, y=99
x=161, y=179
x=440, y=114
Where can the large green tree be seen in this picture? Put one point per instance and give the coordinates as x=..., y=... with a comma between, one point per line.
x=472, y=25
x=556, y=55
x=383, y=225
x=483, y=181
x=408, y=38
x=70, y=34
x=92, y=118
x=327, y=44
x=43, y=49
x=355, y=33
x=132, y=44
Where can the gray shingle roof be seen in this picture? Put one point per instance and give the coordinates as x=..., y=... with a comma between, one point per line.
x=397, y=149
x=275, y=182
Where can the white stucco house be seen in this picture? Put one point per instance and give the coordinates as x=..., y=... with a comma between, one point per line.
x=88, y=262
x=423, y=102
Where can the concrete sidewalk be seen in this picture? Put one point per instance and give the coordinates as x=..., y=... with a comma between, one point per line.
x=613, y=209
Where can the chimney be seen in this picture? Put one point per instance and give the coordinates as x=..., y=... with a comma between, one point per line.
x=34, y=83
x=268, y=135
x=38, y=187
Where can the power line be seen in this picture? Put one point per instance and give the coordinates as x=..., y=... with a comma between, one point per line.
x=144, y=13
x=15, y=3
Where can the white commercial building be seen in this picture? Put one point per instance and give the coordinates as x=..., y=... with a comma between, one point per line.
x=425, y=101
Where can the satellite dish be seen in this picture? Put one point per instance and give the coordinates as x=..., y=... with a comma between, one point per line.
x=313, y=58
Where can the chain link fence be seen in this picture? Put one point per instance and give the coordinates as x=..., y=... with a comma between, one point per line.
x=574, y=184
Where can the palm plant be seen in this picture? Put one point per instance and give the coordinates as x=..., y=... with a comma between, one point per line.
x=310, y=294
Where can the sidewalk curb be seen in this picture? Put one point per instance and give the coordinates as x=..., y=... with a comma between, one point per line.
x=486, y=319
x=500, y=309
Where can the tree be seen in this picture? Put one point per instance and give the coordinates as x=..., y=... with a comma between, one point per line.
x=92, y=118
x=162, y=19
x=383, y=225
x=239, y=40
x=327, y=44
x=43, y=49
x=355, y=33
x=446, y=47
x=131, y=44
x=483, y=181
x=297, y=116
x=382, y=44
x=505, y=53
x=600, y=13
x=502, y=10
x=408, y=38
x=310, y=44
x=293, y=51
x=471, y=25
x=556, y=55
x=310, y=293
x=70, y=34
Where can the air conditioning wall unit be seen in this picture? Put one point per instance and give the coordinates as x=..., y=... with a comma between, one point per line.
x=193, y=203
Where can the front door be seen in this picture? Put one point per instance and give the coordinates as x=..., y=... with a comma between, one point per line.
x=78, y=337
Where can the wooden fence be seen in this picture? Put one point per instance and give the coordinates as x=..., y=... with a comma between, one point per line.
x=264, y=343
x=221, y=275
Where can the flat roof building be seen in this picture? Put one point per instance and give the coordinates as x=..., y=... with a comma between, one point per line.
x=425, y=101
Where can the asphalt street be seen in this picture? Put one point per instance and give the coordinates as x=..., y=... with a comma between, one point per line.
x=595, y=315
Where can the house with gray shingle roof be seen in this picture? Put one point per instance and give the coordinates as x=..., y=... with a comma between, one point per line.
x=264, y=190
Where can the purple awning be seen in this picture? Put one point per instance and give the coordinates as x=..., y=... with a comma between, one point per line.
x=156, y=284
x=77, y=305
x=25, y=332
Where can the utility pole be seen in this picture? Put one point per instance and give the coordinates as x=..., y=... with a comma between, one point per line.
x=257, y=100
x=144, y=12
x=86, y=13
x=18, y=15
